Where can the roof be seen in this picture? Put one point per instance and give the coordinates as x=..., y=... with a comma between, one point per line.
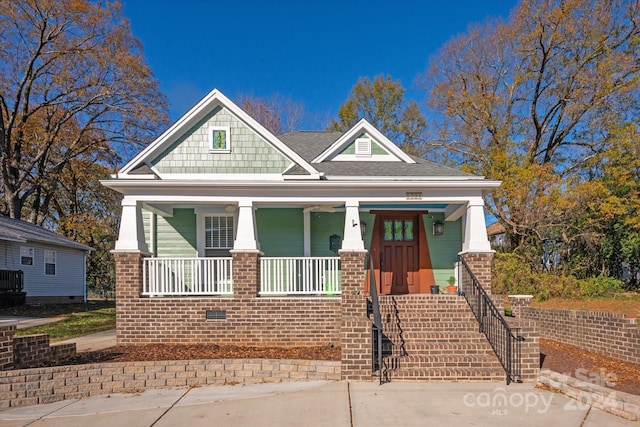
x=15, y=230
x=495, y=228
x=309, y=144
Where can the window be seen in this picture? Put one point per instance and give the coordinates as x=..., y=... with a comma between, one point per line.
x=49, y=262
x=218, y=232
x=219, y=138
x=398, y=230
x=363, y=147
x=26, y=255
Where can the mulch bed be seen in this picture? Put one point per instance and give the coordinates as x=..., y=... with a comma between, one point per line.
x=585, y=365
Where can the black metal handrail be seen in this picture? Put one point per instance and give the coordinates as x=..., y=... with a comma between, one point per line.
x=376, y=327
x=11, y=280
x=504, y=339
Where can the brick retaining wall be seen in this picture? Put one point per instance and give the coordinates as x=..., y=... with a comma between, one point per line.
x=45, y=385
x=29, y=351
x=609, y=334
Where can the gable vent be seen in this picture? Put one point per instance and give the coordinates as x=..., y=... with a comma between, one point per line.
x=363, y=147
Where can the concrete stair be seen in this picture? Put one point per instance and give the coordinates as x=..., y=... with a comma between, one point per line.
x=435, y=338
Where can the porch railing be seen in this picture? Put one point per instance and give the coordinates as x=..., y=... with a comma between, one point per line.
x=11, y=280
x=300, y=276
x=187, y=276
x=504, y=339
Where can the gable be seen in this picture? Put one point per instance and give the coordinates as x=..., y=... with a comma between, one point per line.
x=377, y=151
x=192, y=153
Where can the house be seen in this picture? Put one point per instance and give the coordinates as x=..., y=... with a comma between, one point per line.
x=497, y=235
x=230, y=234
x=52, y=267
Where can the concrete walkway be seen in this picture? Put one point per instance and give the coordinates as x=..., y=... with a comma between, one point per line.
x=332, y=404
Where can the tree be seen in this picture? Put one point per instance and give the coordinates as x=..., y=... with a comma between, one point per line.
x=381, y=102
x=278, y=113
x=73, y=84
x=528, y=101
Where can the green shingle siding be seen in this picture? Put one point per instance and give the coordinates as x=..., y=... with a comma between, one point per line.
x=375, y=147
x=249, y=152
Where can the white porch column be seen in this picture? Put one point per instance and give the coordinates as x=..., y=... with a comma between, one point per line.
x=131, y=235
x=246, y=234
x=475, y=228
x=352, y=240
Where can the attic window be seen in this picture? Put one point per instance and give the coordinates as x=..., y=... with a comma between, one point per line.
x=363, y=147
x=219, y=140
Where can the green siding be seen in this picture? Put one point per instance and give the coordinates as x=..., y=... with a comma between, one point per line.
x=280, y=232
x=444, y=249
x=146, y=225
x=375, y=147
x=176, y=236
x=249, y=152
x=323, y=225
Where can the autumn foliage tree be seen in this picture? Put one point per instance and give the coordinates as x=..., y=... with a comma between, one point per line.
x=531, y=102
x=73, y=84
x=382, y=103
x=76, y=97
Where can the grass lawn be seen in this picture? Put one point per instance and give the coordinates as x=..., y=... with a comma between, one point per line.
x=77, y=319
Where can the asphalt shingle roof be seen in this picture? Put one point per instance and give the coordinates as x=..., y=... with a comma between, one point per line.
x=309, y=144
x=16, y=230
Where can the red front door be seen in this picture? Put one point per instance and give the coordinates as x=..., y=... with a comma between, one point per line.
x=399, y=254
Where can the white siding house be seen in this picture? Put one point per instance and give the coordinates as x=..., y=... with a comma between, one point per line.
x=54, y=267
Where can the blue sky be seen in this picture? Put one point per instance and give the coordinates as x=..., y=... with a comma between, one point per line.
x=313, y=52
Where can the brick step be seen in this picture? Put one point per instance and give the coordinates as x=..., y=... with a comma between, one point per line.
x=438, y=336
x=446, y=374
x=443, y=360
x=451, y=306
x=451, y=327
x=441, y=347
x=427, y=317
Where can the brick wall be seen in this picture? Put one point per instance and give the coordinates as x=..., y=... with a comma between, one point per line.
x=480, y=264
x=45, y=385
x=249, y=319
x=29, y=351
x=6, y=346
x=609, y=334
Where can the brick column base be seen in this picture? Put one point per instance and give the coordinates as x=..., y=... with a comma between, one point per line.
x=246, y=274
x=355, y=331
x=129, y=277
x=530, y=349
x=480, y=265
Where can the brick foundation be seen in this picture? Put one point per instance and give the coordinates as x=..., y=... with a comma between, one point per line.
x=60, y=299
x=247, y=319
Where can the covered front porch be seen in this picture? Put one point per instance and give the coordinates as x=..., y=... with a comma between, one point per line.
x=189, y=245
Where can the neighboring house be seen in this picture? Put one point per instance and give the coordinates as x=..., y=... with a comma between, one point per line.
x=497, y=235
x=53, y=267
x=230, y=234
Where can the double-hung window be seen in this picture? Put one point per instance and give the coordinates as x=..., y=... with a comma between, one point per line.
x=49, y=262
x=218, y=232
x=26, y=255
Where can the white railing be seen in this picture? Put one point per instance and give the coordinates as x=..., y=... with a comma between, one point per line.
x=187, y=276
x=300, y=276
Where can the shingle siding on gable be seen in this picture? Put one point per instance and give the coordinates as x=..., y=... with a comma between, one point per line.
x=249, y=152
x=375, y=148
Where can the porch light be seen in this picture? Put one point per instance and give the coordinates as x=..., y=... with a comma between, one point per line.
x=438, y=228
x=363, y=228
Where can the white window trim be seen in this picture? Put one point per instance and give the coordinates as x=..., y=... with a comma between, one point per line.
x=227, y=132
x=55, y=262
x=363, y=147
x=204, y=230
x=33, y=257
